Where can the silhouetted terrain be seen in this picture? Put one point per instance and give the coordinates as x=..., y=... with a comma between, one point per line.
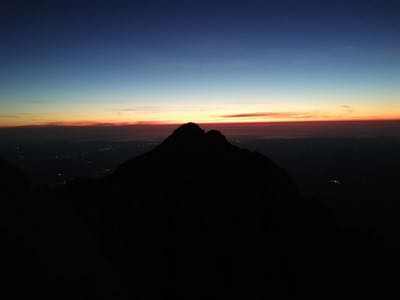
x=194, y=218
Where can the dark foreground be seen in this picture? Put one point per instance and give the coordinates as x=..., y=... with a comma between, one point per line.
x=195, y=218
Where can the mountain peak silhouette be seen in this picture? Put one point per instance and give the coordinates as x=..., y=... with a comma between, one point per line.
x=188, y=129
x=190, y=154
x=190, y=138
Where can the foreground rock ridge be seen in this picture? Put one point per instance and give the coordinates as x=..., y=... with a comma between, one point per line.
x=195, y=218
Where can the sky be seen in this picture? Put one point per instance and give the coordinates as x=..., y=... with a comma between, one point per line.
x=145, y=62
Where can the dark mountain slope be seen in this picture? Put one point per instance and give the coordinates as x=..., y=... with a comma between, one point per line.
x=46, y=251
x=206, y=204
x=195, y=218
x=198, y=216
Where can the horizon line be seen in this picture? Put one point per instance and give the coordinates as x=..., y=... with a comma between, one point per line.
x=172, y=123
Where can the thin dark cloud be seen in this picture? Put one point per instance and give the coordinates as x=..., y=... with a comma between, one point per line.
x=138, y=108
x=9, y=116
x=37, y=101
x=347, y=108
x=155, y=108
x=127, y=109
x=276, y=115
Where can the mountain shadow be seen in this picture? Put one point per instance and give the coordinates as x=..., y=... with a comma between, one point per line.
x=195, y=218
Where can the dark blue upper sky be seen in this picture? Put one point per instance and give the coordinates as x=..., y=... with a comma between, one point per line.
x=165, y=60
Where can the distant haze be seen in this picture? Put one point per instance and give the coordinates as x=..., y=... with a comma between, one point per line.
x=327, y=129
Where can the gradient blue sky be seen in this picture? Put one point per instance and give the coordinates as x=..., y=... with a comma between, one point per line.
x=203, y=61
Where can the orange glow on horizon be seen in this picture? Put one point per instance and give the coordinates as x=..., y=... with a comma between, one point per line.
x=206, y=114
x=159, y=123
